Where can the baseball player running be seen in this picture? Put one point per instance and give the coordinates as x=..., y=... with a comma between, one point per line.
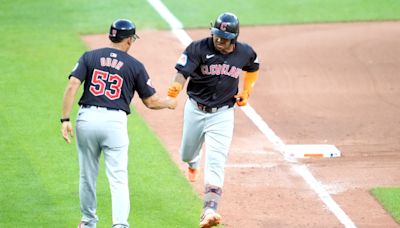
x=110, y=76
x=213, y=65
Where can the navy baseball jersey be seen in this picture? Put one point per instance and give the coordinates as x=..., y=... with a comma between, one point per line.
x=111, y=78
x=214, y=77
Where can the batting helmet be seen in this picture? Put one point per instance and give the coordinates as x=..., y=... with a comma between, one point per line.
x=121, y=29
x=226, y=26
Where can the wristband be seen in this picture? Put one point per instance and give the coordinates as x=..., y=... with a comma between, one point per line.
x=62, y=120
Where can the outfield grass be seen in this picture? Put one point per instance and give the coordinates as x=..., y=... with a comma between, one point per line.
x=40, y=44
x=261, y=12
x=390, y=199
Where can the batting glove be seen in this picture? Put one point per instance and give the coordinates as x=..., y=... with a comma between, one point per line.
x=174, y=89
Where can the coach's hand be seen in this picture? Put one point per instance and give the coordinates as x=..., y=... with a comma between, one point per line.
x=174, y=89
x=172, y=102
x=66, y=130
x=242, y=98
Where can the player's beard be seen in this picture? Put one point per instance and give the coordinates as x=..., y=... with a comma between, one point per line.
x=224, y=47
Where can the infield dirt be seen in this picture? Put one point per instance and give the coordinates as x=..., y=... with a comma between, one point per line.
x=319, y=84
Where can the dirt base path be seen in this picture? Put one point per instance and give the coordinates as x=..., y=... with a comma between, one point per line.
x=319, y=84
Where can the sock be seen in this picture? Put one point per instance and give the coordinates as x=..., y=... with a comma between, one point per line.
x=211, y=198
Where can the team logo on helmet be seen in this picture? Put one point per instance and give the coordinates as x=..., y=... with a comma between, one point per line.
x=113, y=32
x=223, y=26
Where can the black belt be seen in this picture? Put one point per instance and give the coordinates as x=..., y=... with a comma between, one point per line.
x=207, y=109
x=96, y=106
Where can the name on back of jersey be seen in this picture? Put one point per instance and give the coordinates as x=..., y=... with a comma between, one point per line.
x=221, y=69
x=111, y=62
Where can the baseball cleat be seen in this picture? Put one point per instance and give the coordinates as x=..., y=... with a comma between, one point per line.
x=193, y=174
x=209, y=220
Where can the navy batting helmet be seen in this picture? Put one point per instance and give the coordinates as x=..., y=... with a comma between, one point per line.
x=121, y=29
x=226, y=26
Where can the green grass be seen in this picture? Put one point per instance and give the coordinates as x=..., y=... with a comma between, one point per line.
x=40, y=43
x=39, y=184
x=259, y=12
x=390, y=199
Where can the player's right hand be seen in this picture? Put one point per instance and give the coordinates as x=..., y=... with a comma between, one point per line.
x=174, y=89
x=66, y=130
x=242, y=98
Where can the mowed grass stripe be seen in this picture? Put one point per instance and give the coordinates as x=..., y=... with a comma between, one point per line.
x=262, y=12
x=39, y=186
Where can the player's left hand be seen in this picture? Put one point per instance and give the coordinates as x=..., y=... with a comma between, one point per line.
x=242, y=98
x=66, y=130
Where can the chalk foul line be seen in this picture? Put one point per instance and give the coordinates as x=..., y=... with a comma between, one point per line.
x=302, y=170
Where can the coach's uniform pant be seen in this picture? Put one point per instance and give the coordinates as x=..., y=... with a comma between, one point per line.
x=99, y=129
x=215, y=130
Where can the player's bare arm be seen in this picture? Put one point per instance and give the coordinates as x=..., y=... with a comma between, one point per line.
x=176, y=87
x=69, y=97
x=155, y=102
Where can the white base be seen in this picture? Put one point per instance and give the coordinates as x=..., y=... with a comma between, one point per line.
x=312, y=150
